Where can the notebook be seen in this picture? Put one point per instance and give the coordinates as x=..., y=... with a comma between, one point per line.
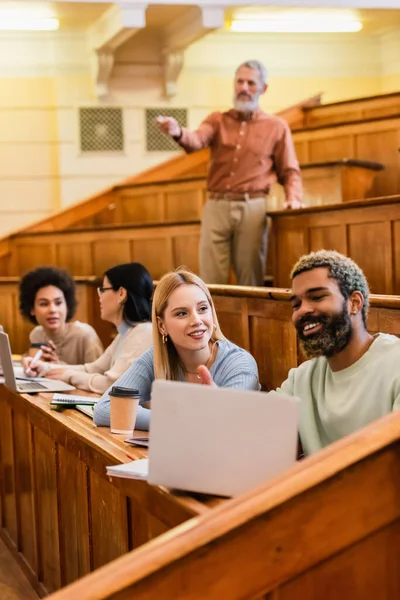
x=217, y=440
x=27, y=387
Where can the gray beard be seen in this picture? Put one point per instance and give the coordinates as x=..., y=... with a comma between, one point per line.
x=245, y=106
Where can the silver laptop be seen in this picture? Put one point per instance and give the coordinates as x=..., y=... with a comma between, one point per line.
x=218, y=440
x=26, y=387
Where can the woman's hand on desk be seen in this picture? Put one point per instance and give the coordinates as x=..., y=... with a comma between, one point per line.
x=205, y=376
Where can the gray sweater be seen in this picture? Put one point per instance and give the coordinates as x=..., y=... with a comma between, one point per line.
x=233, y=368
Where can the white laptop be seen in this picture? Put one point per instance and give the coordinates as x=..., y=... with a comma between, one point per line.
x=218, y=440
x=27, y=387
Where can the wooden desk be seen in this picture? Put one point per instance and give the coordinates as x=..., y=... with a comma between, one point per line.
x=60, y=514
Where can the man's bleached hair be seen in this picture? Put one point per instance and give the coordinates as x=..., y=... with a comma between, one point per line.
x=349, y=276
x=256, y=65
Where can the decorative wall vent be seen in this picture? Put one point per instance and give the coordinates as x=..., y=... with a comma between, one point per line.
x=101, y=129
x=156, y=141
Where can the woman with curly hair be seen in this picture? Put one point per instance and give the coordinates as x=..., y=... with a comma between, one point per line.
x=47, y=298
x=125, y=301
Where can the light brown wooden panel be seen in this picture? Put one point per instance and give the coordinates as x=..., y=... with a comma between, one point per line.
x=73, y=487
x=384, y=144
x=338, y=147
x=75, y=257
x=8, y=491
x=142, y=206
x=47, y=510
x=368, y=247
x=34, y=255
x=272, y=340
x=186, y=251
x=110, y=252
x=289, y=246
x=155, y=253
x=330, y=238
x=233, y=319
x=396, y=255
x=185, y=205
x=367, y=570
x=25, y=493
x=109, y=521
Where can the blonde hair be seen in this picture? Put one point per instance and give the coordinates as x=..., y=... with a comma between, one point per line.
x=166, y=359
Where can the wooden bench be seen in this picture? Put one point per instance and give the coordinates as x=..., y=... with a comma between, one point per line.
x=60, y=514
x=327, y=528
x=257, y=319
x=368, y=232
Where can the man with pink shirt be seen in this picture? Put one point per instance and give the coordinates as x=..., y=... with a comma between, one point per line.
x=250, y=150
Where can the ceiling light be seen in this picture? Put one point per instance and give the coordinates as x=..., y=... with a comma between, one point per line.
x=297, y=25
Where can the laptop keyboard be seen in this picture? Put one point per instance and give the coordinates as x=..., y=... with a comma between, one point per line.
x=31, y=386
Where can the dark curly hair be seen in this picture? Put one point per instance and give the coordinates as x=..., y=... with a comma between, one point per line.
x=138, y=283
x=39, y=278
x=345, y=271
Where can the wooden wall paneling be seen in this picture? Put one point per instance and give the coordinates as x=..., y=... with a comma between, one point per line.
x=109, y=521
x=185, y=203
x=9, y=507
x=290, y=244
x=138, y=524
x=156, y=254
x=382, y=145
x=396, y=256
x=73, y=517
x=370, y=248
x=47, y=510
x=332, y=148
x=142, y=205
x=186, y=249
x=25, y=491
x=273, y=340
x=332, y=237
x=233, y=320
x=302, y=151
x=75, y=256
x=38, y=251
x=109, y=251
x=347, y=575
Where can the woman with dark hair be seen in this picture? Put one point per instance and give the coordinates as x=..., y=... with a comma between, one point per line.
x=125, y=301
x=47, y=298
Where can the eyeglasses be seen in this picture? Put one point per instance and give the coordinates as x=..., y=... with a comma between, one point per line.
x=101, y=290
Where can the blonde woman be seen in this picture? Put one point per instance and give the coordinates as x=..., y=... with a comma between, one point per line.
x=188, y=345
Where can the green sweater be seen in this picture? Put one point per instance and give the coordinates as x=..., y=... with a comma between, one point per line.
x=335, y=404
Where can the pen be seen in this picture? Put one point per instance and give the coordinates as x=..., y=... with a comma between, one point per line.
x=35, y=359
x=130, y=456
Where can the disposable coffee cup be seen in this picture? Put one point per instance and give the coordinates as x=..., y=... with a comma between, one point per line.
x=124, y=403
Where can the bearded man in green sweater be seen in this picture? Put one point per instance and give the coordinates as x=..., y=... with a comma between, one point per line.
x=352, y=377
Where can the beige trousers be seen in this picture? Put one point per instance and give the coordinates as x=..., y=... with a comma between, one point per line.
x=234, y=233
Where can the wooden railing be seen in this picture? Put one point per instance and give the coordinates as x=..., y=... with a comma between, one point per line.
x=368, y=232
x=332, y=522
x=357, y=109
x=257, y=319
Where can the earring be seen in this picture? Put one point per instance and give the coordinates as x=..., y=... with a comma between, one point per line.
x=164, y=338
